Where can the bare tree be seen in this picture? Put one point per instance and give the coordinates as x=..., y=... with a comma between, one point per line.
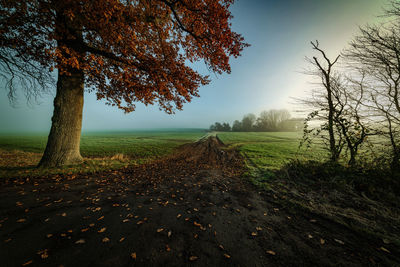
x=377, y=51
x=394, y=10
x=351, y=113
x=248, y=122
x=271, y=120
x=322, y=102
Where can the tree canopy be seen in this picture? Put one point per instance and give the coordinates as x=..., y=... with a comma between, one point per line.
x=129, y=51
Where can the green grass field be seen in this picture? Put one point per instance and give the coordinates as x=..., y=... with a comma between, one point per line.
x=102, y=150
x=264, y=152
x=135, y=144
x=270, y=150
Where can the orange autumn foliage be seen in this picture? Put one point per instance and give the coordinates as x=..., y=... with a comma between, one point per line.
x=129, y=50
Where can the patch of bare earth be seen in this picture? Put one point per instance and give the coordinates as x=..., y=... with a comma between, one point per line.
x=192, y=208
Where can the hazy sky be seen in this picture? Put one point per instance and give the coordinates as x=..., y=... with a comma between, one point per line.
x=265, y=77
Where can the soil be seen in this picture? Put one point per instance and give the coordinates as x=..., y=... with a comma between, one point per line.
x=191, y=208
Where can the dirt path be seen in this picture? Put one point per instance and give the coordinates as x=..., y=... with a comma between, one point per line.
x=189, y=209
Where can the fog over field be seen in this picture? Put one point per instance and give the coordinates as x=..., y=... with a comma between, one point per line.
x=265, y=77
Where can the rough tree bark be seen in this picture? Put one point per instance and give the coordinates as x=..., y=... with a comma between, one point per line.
x=64, y=138
x=65, y=133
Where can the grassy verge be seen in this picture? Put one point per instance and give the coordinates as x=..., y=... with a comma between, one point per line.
x=364, y=199
x=267, y=152
x=19, y=155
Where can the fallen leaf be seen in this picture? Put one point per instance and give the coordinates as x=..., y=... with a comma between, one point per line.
x=80, y=241
x=102, y=230
x=27, y=263
x=322, y=241
x=254, y=234
x=84, y=230
x=133, y=255
x=227, y=256
x=310, y=236
x=167, y=248
x=178, y=216
x=384, y=249
x=193, y=258
x=169, y=233
x=339, y=241
x=271, y=252
x=64, y=214
x=160, y=230
x=258, y=228
x=105, y=240
x=43, y=254
x=49, y=235
x=21, y=220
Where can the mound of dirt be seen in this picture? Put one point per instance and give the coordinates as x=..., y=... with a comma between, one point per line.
x=210, y=152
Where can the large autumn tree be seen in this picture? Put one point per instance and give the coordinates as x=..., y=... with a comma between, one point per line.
x=126, y=51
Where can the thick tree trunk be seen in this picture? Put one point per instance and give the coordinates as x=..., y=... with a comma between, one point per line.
x=64, y=138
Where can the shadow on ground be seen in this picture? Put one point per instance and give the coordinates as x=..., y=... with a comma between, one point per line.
x=192, y=208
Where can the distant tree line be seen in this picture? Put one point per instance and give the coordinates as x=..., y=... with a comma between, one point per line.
x=268, y=121
x=222, y=127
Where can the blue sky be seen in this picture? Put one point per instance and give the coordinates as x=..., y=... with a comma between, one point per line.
x=265, y=77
